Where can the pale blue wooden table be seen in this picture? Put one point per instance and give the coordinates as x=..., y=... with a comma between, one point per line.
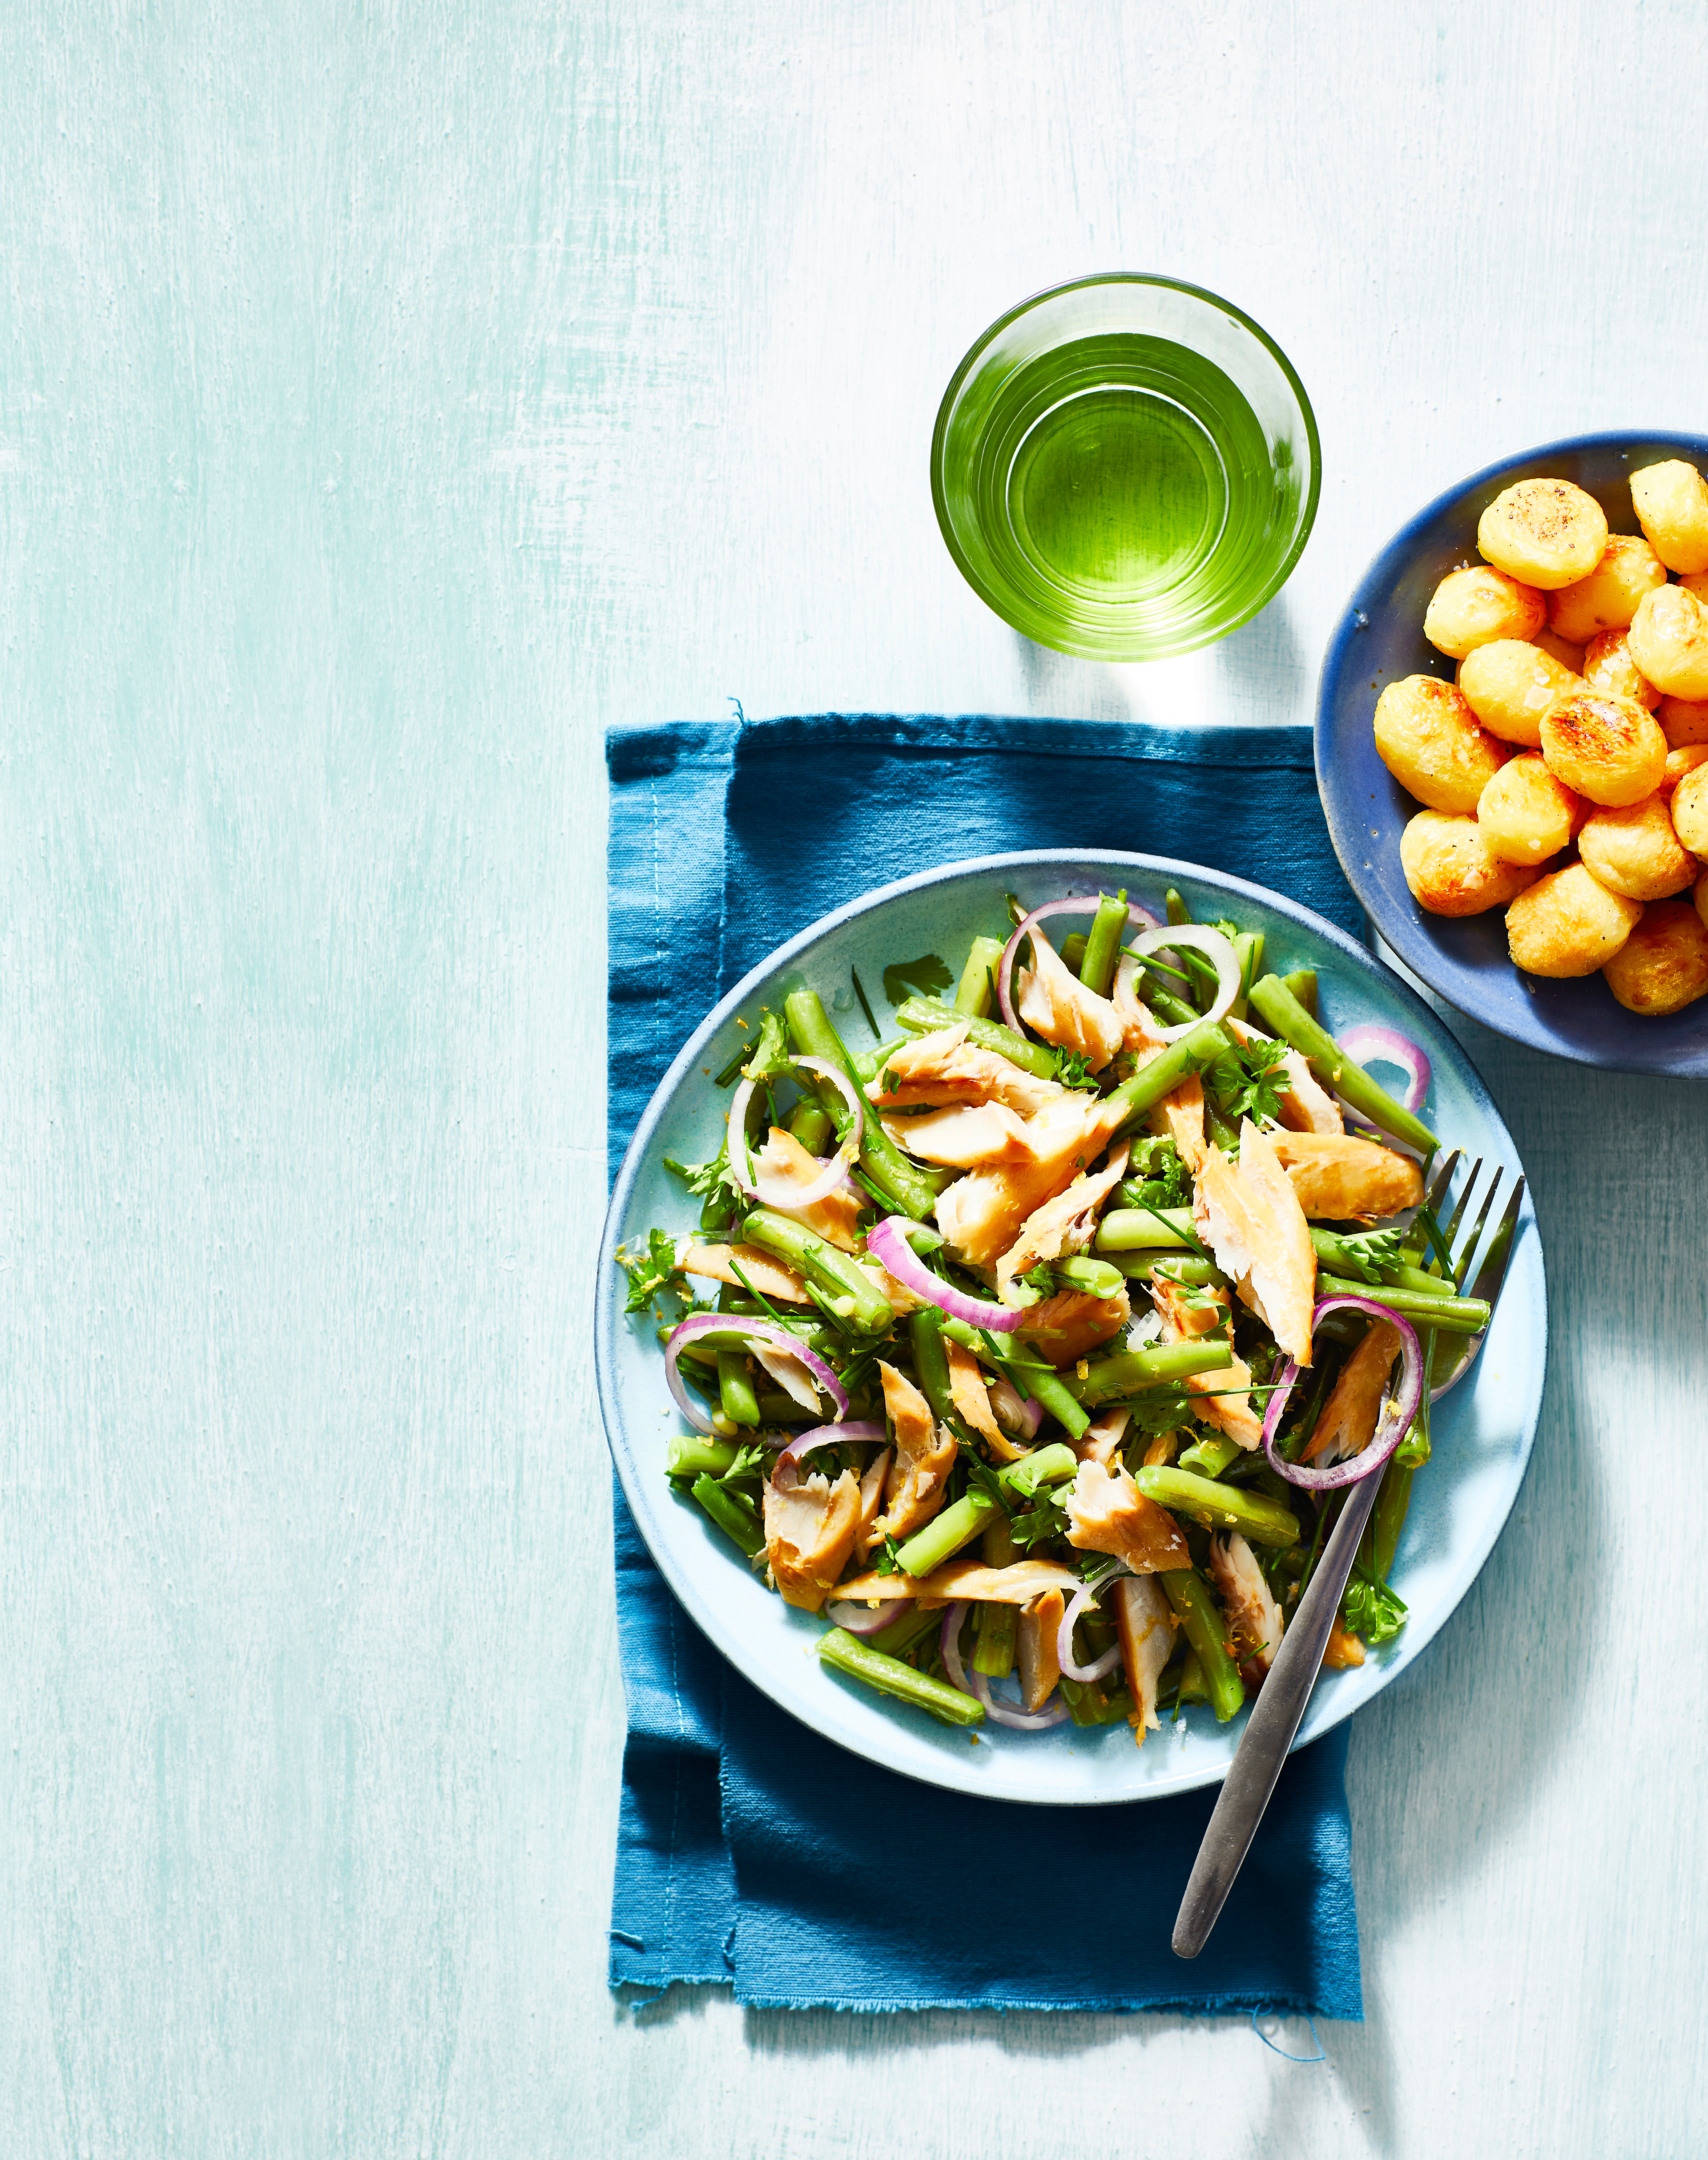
x=391, y=399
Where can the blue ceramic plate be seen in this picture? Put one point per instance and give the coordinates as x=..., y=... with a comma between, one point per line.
x=1380, y=638
x=1482, y=1430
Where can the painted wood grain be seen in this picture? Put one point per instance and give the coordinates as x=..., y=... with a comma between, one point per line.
x=392, y=398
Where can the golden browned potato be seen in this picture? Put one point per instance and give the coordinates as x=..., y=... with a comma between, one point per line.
x=1546, y=532
x=1678, y=762
x=1663, y=965
x=1608, y=667
x=1509, y=685
x=1671, y=502
x=1570, y=655
x=1608, y=598
x=1689, y=810
x=1669, y=642
x=1700, y=896
x=1566, y=924
x=1475, y=606
x=1451, y=870
x=1606, y=748
x=1428, y=738
x=1524, y=813
x=1635, y=851
x=1682, y=720
x=1698, y=584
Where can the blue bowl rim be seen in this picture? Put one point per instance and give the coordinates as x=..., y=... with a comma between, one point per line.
x=1405, y=938
x=639, y=1493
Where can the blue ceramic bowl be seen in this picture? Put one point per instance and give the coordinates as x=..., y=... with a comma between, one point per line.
x=1379, y=639
x=1481, y=1432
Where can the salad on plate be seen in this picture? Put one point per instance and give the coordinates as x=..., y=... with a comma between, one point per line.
x=1035, y=1347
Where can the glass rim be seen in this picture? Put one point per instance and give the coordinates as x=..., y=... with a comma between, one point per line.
x=981, y=343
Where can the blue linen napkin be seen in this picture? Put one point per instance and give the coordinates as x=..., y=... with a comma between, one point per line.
x=751, y=1852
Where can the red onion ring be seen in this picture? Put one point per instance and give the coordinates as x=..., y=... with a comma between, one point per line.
x=888, y=1243
x=1085, y=1675
x=1054, y=1712
x=864, y=1619
x=740, y=1328
x=833, y=1171
x=1015, y=1416
x=1216, y=947
x=1005, y=967
x=1368, y=1044
x=822, y=1436
x=949, y=1643
x=1393, y=1423
x=978, y=1686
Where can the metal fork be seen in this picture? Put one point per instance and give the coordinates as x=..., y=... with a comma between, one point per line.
x=1280, y=1705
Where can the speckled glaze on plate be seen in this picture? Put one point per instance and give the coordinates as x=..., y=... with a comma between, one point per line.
x=1482, y=1431
x=1379, y=639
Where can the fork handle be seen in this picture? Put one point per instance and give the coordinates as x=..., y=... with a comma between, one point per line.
x=1270, y=1730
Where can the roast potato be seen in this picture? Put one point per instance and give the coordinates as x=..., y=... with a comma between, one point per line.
x=1545, y=532
x=1509, y=685
x=1608, y=598
x=1608, y=667
x=1451, y=870
x=1682, y=720
x=1663, y=965
x=1669, y=642
x=1606, y=748
x=1689, y=810
x=1671, y=502
x=1562, y=649
x=1524, y=814
x=1474, y=606
x=1678, y=762
x=1566, y=924
x=1429, y=739
x=1636, y=851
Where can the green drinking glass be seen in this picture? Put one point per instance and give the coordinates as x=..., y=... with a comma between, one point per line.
x=1125, y=467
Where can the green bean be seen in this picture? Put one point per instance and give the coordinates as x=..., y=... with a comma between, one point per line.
x=944, y=1535
x=881, y=1160
x=736, y=1395
x=1211, y=1455
x=1249, y=947
x=843, y=1282
x=925, y=1016
x=1207, y=1630
x=1072, y=953
x=994, y=1629
x=1131, y=1229
x=1457, y=1316
x=1388, y=1520
x=1276, y=1004
x=860, y=1661
x=1128, y=1371
x=1044, y=1386
x=972, y=997
x=931, y=1361
x=1169, y=1067
x=1192, y=1688
x=1418, y=1280
x=810, y=1124
x=867, y=1064
x=736, y=1517
x=903, y=1634
x=1054, y=1464
x=997, y=1547
x=695, y=1456
x=1178, y=911
x=1197, y=1274
x=1302, y=984
x=1103, y=948
x=1219, y=1506
x=1095, y=1277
